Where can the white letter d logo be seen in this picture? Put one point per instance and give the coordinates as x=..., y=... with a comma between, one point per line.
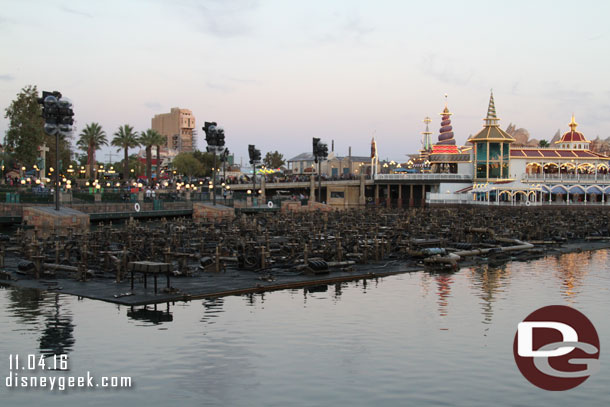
x=526, y=342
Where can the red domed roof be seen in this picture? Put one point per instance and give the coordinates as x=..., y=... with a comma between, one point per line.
x=572, y=136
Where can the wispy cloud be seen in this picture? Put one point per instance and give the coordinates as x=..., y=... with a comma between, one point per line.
x=6, y=78
x=153, y=105
x=220, y=18
x=446, y=70
x=357, y=27
x=343, y=29
x=596, y=37
x=76, y=12
x=221, y=87
x=244, y=81
x=559, y=93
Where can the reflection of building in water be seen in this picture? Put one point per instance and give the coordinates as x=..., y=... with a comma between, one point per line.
x=571, y=270
x=214, y=306
x=57, y=335
x=152, y=315
x=25, y=304
x=489, y=281
x=443, y=282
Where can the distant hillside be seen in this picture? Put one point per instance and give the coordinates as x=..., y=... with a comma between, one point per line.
x=521, y=136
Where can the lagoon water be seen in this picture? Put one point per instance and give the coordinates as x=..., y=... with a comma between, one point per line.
x=416, y=339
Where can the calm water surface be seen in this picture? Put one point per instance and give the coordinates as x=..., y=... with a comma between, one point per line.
x=412, y=339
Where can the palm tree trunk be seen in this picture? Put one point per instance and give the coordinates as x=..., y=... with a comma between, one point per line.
x=158, y=161
x=90, y=159
x=149, y=164
x=126, y=165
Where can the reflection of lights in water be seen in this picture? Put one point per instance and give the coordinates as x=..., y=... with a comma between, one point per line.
x=489, y=281
x=443, y=282
x=571, y=270
x=425, y=284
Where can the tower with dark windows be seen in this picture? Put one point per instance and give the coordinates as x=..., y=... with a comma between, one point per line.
x=491, y=147
x=426, y=142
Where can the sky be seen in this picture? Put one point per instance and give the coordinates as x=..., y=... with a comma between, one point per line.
x=277, y=73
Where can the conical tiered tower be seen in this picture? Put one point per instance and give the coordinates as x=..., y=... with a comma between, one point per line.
x=491, y=148
x=446, y=141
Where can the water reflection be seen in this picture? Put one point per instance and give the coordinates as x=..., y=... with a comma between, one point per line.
x=571, y=268
x=489, y=281
x=57, y=337
x=213, y=307
x=25, y=304
x=443, y=291
x=153, y=315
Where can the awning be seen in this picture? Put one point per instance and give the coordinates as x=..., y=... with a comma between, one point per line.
x=576, y=189
x=559, y=189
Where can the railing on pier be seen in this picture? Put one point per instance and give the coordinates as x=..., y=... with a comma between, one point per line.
x=558, y=178
x=423, y=177
x=443, y=198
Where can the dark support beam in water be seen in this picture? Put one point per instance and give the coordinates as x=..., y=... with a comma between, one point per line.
x=376, y=194
x=388, y=202
x=399, y=195
x=423, y=195
x=411, y=201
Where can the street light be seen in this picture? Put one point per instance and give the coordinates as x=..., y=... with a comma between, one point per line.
x=215, y=137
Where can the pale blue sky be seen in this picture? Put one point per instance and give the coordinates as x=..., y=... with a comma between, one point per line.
x=276, y=73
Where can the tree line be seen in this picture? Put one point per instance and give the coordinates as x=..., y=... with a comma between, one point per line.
x=26, y=133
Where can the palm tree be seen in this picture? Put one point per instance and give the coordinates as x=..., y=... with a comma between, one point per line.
x=125, y=138
x=91, y=139
x=161, y=142
x=148, y=139
x=543, y=143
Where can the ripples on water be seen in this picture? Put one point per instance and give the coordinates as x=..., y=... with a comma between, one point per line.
x=410, y=339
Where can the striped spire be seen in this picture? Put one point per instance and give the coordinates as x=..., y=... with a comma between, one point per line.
x=491, y=119
x=446, y=131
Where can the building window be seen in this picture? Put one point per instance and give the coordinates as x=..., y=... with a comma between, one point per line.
x=482, y=151
x=481, y=170
x=337, y=194
x=494, y=151
x=494, y=170
x=505, y=173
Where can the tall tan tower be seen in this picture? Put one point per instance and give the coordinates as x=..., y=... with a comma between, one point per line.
x=177, y=126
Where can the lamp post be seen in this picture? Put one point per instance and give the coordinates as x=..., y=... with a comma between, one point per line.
x=255, y=157
x=57, y=113
x=215, y=137
x=320, y=152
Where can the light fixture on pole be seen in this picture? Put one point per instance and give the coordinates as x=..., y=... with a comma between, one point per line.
x=57, y=113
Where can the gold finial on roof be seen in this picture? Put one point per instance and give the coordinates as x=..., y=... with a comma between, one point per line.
x=573, y=123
